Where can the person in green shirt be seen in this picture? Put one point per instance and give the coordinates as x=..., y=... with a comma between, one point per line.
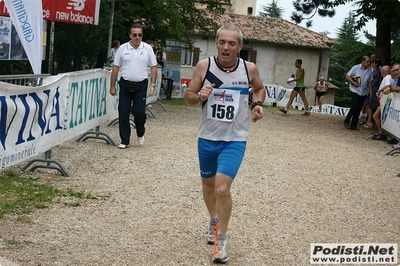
x=299, y=89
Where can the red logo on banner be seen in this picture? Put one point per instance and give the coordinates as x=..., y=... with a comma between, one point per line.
x=69, y=11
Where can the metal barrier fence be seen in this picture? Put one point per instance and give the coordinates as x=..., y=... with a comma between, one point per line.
x=24, y=80
x=34, y=80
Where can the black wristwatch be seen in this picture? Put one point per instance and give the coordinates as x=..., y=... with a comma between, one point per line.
x=255, y=104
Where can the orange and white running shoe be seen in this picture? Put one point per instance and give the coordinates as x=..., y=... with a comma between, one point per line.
x=210, y=233
x=220, y=248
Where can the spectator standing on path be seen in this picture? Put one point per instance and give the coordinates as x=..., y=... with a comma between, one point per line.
x=321, y=88
x=161, y=62
x=114, y=47
x=371, y=102
x=364, y=108
x=396, y=86
x=133, y=59
x=151, y=43
x=359, y=78
x=222, y=84
x=299, y=89
x=387, y=82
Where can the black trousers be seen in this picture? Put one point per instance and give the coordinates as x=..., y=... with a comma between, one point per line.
x=357, y=103
x=135, y=103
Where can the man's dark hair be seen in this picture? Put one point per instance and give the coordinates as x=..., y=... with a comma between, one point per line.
x=135, y=26
x=299, y=61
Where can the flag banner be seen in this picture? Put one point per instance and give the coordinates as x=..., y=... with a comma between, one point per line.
x=26, y=16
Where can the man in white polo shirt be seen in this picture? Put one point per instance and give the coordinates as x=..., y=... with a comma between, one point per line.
x=359, y=78
x=133, y=59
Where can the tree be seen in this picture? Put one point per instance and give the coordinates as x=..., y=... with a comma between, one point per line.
x=385, y=13
x=272, y=10
x=347, y=51
x=85, y=46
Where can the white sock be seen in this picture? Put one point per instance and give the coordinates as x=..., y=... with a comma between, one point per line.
x=222, y=235
x=214, y=219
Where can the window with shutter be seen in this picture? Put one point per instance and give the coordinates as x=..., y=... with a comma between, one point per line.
x=196, y=56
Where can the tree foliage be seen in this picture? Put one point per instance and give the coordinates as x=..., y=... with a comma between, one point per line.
x=86, y=46
x=272, y=10
x=347, y=52
x=385, y=13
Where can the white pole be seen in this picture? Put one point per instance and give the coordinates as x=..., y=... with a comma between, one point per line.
x=110, y=31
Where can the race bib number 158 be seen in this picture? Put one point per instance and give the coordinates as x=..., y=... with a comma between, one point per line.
x=223, y=105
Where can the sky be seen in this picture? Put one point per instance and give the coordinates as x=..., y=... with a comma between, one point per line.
x=320, y=24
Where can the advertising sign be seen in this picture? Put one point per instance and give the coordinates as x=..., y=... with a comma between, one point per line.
x=173, y=68
x=69, y=11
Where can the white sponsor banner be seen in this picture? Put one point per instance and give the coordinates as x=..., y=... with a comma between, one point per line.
x=26, y=15
x=35, y=119
x=273, y=93
x=281, y=95
x=344, y=253
x=390, y=113
x=330, y=109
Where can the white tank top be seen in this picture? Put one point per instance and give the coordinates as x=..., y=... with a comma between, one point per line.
x=225, y=114
x=322, y=87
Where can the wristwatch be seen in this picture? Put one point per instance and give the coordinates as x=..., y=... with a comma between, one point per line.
x=258, y=103
x=153, y=84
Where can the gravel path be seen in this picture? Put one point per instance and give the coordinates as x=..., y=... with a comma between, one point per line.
x=303, y=180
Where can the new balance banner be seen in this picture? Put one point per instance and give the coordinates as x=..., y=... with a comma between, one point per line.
x=69, y=11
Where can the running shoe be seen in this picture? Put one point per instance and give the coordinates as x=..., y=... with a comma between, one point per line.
x=306, y=114
x=210, y=233
x=220, y=249
x=140, y=140
x=282, y=110
x=368, y=125
x=123, y=146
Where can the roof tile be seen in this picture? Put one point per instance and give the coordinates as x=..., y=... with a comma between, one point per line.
x=275, y=30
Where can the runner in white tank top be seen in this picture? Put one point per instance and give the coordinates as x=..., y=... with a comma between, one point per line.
x=321, y=87
x=222, y=85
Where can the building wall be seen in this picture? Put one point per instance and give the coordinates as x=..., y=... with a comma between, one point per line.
x=241, y=7
x=276, y=63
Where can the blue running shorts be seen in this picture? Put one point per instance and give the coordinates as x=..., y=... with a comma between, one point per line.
x=223, y=157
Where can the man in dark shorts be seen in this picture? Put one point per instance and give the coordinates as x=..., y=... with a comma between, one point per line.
x=299, y=89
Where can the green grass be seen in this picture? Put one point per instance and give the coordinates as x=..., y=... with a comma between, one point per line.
x=21, y=195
